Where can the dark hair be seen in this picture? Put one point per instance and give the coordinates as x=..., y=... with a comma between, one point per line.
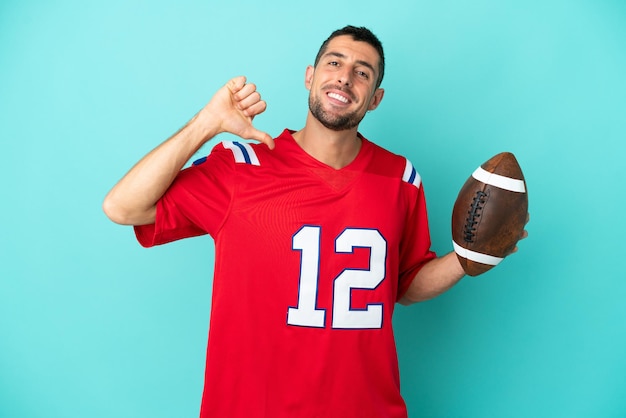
x=361, y=34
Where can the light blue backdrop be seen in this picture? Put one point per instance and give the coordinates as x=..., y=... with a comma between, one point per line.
x=92, y=325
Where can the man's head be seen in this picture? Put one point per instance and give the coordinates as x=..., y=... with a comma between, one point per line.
x=360, y=34
x=344, y=82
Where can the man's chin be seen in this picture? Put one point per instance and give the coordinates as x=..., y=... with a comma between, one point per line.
x=334, y=121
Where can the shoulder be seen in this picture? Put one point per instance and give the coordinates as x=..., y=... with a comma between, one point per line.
x=241, y=153
x=394, y=165
x=231, y=152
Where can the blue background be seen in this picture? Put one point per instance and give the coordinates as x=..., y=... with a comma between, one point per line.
x=91, y=324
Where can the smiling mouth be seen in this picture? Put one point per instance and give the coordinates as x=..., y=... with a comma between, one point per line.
x=339, y=97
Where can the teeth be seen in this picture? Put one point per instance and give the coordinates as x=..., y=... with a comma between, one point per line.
x=338, y=97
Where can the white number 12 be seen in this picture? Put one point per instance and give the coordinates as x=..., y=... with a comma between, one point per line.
x=306, y=314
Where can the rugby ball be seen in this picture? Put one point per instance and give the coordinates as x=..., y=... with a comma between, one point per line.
x=489, y=214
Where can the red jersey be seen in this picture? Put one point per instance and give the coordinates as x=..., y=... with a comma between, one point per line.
x=309, y=262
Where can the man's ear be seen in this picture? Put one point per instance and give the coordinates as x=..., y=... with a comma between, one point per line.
x=376, y=99
x=308, y=76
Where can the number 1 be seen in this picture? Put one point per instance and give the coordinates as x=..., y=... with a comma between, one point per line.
x=307, y=240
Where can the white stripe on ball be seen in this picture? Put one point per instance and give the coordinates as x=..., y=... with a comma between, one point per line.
x=499, y=181
x=474, y=256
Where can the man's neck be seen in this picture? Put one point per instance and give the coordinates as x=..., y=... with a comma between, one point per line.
x=336, y=149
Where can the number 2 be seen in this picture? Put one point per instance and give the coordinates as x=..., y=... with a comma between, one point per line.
x=307, y=314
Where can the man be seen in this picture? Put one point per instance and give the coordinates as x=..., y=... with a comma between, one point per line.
x=318, y=234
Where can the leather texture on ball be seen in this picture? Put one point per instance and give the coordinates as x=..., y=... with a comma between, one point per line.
x=489, y=214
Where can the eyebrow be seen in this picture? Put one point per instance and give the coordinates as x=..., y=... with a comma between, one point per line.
x=361, y=62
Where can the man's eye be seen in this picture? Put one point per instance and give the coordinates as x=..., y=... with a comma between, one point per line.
x=333, y=63
x=363, y=74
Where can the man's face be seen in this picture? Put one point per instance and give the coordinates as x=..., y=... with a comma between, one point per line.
x=343, y=84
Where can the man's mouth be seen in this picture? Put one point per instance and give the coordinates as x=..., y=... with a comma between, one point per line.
x=336, y=96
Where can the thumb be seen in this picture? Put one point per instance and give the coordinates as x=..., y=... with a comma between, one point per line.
x=235, y=84
x=262, y=137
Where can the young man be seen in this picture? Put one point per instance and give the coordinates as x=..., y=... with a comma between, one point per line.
x=318, y=234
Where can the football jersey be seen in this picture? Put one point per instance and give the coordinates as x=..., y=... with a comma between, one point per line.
x=309, y=263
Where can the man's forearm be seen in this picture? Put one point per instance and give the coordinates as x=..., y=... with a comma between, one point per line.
x=436, y=277
x=132, y=201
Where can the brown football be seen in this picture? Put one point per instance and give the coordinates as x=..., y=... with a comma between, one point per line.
x=489, y=214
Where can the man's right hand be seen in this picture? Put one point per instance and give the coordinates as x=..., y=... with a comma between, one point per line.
x=232, y=109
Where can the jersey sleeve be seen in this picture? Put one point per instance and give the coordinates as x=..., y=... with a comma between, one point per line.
x=415, y=246
x=196, y=203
